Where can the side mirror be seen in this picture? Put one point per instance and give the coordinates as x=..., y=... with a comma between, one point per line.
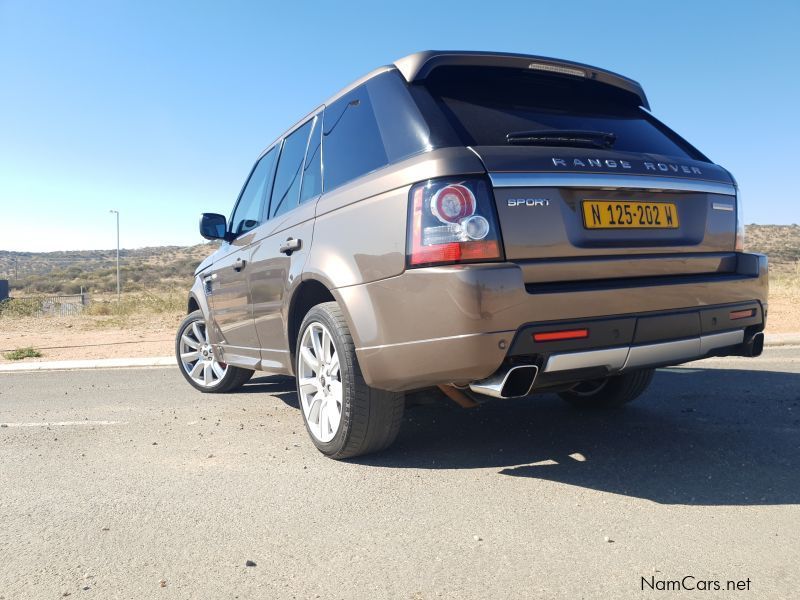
x=213, y=226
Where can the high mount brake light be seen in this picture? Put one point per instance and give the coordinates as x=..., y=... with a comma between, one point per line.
x=452, y=222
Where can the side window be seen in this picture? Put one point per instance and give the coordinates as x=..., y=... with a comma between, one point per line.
x=312, y=171
x=286, y=191
x=352, y=142
x=247, y=214
x=403, y=129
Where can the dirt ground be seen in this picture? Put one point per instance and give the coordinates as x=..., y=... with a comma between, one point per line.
x=88, y=337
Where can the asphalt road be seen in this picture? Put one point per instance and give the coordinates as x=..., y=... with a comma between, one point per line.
x=112, y=482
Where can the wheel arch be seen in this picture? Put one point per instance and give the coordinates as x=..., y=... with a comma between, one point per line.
x=306, y=295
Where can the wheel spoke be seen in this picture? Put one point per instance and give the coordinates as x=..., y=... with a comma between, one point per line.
x=308, y=384
x=333, y=368
x=314, y=404
x=197, y=333
x=310, y=359
x=336, y=390
x=324, y=419
x=208, y=376
x=218, y=370
x=334, y=414
x=317, y=345
x=190, y=342
x=190, y=356
x=196, y=370
x=326, y=346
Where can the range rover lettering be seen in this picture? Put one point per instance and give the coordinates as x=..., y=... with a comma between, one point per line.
x=494, y=225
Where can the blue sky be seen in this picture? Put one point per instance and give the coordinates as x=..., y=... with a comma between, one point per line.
x=158, y=109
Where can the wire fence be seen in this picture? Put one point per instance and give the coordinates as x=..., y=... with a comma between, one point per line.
x=40, y=306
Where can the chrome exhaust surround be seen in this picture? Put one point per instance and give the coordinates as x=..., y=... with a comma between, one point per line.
x=507, y=382
x=751, y=347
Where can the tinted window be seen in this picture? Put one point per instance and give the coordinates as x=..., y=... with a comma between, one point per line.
x=286, y=191
x=352, y=143
x=374, y=125
x=484, y=104
x=312, y=171
x=247, y=214
x=403, y=129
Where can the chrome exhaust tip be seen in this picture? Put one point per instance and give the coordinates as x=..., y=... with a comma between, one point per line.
x=507, y=382
x=756, y=345
x=751, y=348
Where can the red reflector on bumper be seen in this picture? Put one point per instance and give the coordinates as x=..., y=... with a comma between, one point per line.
x=552, y=336
x=742, y=314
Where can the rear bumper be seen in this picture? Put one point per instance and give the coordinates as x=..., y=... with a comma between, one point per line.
x=459, y=324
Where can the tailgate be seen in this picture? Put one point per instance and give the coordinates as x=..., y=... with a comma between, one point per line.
x=554, y=205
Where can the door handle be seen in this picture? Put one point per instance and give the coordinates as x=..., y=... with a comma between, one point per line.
x=239, y=265
x=290, y=245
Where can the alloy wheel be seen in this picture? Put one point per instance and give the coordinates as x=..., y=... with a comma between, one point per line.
x=319, y=382
x=197, y=356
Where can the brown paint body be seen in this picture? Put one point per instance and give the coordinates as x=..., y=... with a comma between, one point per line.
x=437, y=325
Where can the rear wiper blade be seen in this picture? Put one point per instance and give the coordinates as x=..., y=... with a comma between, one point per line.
x=562, y=137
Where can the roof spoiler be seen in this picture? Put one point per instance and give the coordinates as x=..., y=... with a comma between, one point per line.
x=418, y=66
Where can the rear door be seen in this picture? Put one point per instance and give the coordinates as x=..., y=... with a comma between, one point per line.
x=230, y=298
x=278, y=257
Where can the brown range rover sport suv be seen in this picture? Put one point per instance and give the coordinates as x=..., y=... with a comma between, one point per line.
x=493, y=224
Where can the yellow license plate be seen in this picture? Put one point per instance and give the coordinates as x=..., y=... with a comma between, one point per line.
x=604, y=214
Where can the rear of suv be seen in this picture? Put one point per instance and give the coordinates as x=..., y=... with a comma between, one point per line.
x=494, y=225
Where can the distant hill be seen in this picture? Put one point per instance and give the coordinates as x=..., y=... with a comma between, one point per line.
x=780, y=242
x=166, y=267
x=153, y=268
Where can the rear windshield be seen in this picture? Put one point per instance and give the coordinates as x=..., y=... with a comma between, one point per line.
x=484, y=104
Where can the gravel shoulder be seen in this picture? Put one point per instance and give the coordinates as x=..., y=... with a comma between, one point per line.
x=90, y=337
x=115, y=481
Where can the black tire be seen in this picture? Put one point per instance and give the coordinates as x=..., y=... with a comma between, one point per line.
x=611, y=392
x=370, y=418
x=234, y=378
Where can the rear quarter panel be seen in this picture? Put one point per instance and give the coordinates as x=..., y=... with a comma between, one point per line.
x=360, y=229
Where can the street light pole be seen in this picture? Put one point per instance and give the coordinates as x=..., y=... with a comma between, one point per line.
x=116, y=212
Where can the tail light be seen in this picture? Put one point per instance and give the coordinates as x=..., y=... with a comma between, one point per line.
x=739, y=245
x=452, y=222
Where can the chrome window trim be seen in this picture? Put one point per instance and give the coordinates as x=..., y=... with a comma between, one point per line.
x=613, y=181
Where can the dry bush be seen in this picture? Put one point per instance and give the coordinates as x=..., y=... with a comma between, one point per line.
x=139, y=303
x=785, y=285
x=21, y=353
x=13, y=308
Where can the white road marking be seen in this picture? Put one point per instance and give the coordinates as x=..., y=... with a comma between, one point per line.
x=103, y=363
x=62, y=423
